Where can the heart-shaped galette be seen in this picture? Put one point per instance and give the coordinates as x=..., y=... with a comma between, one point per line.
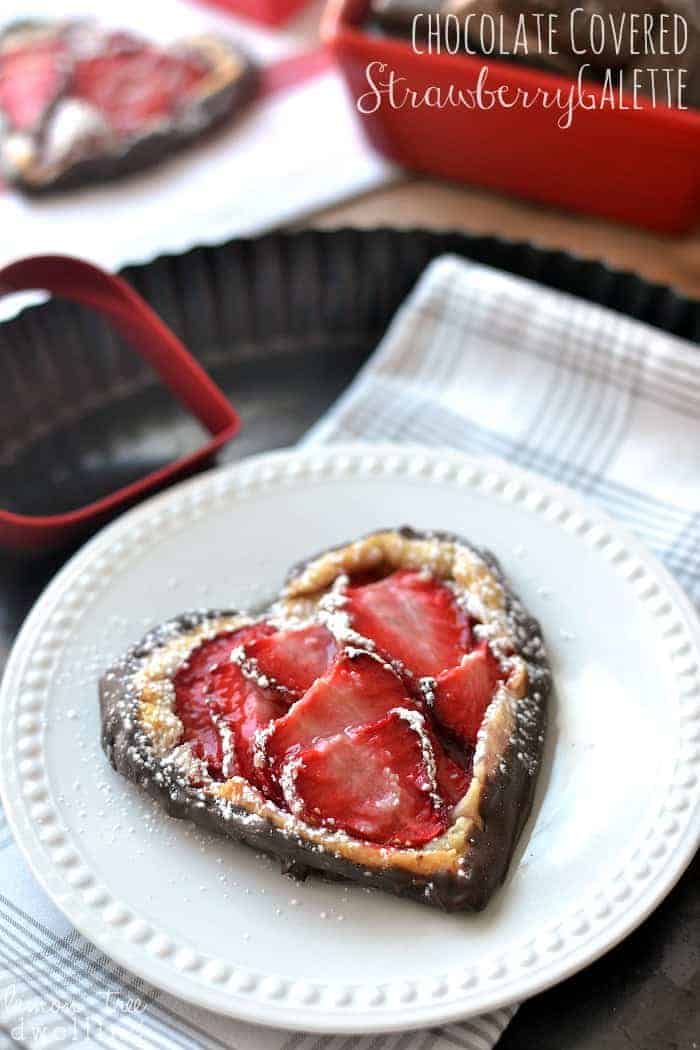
x=81, y=103
x=382, y=720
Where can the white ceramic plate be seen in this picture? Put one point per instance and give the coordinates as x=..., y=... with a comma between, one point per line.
x=618, y=811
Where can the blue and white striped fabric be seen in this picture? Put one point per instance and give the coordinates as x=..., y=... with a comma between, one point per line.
x=490, y=364
x=496, y=365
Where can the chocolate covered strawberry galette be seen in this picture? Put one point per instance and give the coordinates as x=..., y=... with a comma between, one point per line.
x=83, y=103
x=382, y=721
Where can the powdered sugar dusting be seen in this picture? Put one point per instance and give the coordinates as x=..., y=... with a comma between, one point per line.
x=184, y=762
x=287, y=780
x=353, y=653
x=228, y=765
x=427, y=687
x=334, y=616
x=260, y=744
x=250, y=669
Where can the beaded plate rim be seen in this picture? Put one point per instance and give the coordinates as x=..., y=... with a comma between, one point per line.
x=654, y=864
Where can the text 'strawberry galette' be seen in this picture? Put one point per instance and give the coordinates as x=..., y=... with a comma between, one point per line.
x=381, y=721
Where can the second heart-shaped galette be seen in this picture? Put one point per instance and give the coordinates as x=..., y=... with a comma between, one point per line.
x=383, y=720
x=81, y=103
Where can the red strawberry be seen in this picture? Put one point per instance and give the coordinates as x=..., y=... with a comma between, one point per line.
x=356, y=690
x=295, y=658
x=31, y=77
x=452, y=780
x=216, y=702
x=463, y=693
x=343, y=728
x=414, y=617
x=372, y=782
x=132, y=83
x=198, y=675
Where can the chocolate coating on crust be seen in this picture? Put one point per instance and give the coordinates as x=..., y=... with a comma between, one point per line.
x=149, y=150
x=505, y=803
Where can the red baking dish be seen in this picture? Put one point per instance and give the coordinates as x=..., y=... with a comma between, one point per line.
x=153, y=340
x=269, y=12
x=636, y=166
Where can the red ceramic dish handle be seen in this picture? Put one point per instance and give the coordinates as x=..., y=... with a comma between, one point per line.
x=110, y=295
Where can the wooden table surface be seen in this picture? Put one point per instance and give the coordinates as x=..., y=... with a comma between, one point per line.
x=427, y=203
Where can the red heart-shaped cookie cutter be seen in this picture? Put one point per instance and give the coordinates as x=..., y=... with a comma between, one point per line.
x=87, y=284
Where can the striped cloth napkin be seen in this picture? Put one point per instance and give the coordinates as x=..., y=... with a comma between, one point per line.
x=480, y=361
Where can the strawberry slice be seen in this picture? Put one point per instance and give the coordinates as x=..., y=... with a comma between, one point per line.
x=463, y=693
x=295, y=658
x=356, y=690
x=413, y=617
x=372, y=782
x=31, y=77
x=452, y=780
x=221, y=709
x=316, y=727
x=198, y=675
x=133, y=84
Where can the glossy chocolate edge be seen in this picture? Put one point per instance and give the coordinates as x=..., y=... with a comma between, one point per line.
x=505, y=804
